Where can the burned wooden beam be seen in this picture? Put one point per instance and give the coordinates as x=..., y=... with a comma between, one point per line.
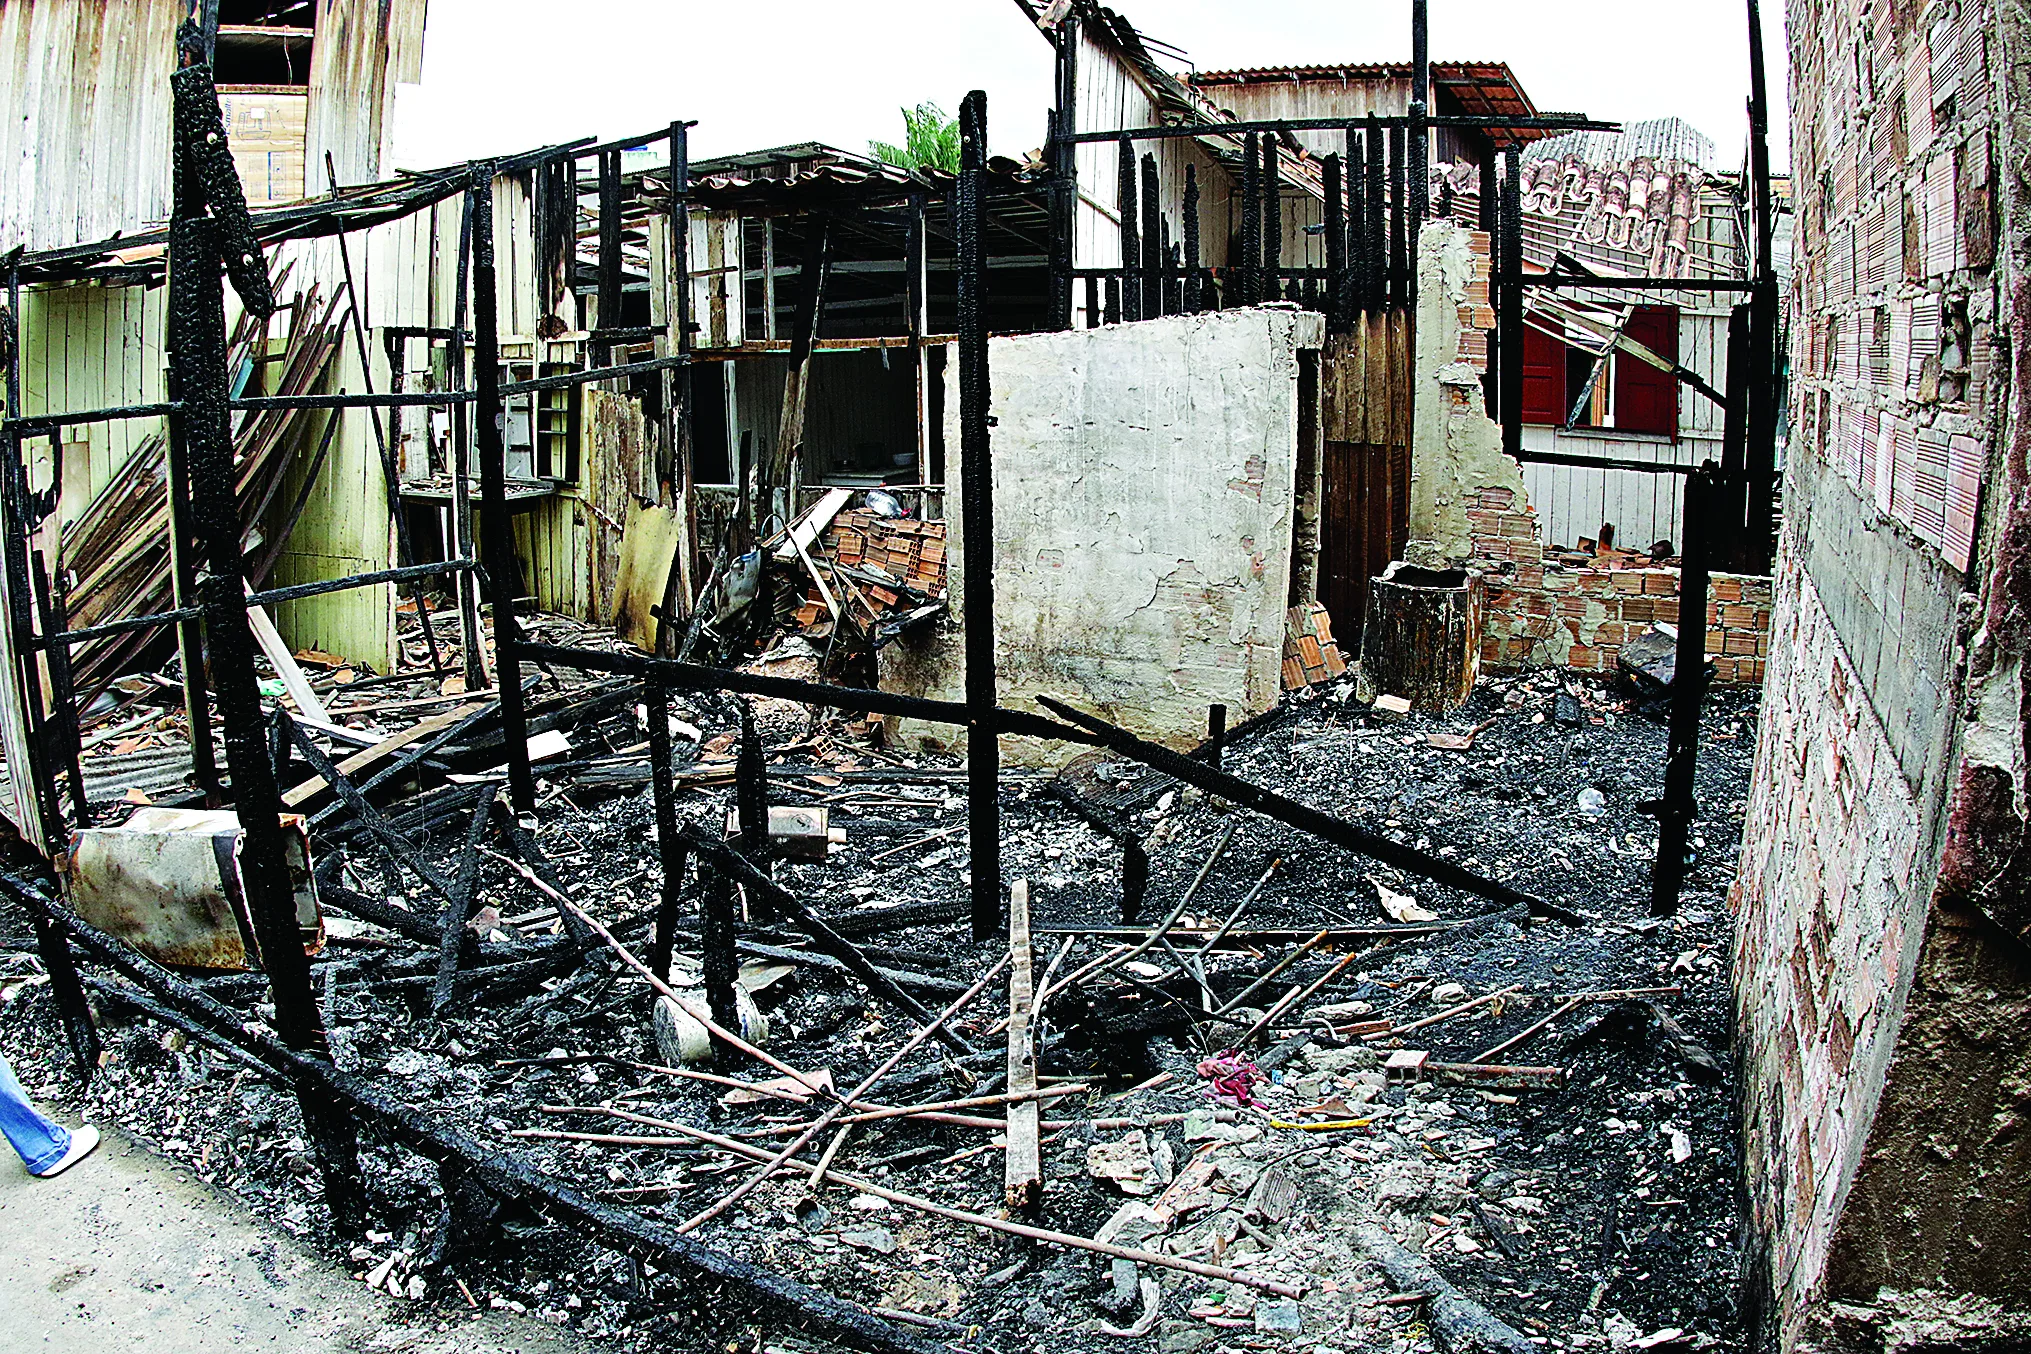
x=465, y=887
x=184, y=1006
x=738, y=869
x=1302, y=816
x=210, y=233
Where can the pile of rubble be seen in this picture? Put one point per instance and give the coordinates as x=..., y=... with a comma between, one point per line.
x=1297, y=1102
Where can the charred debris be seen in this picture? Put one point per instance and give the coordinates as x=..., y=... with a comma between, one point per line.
x=646, y=987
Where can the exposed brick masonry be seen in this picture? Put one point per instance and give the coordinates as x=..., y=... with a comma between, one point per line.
x=1543, y=612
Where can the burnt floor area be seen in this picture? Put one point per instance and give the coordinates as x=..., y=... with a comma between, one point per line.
x=1588, y=1204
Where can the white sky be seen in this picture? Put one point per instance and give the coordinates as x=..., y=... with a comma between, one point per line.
x=507, y=75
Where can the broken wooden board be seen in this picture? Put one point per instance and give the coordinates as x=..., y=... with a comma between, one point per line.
x=649, y=546
x=1023, y=1171
x=308, y=790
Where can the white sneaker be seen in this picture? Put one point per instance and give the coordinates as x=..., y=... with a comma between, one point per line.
x=83, y=1141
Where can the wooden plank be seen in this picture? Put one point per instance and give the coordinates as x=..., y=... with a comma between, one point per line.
x=649, y=545
x=308, y=790
x=1023, y=1170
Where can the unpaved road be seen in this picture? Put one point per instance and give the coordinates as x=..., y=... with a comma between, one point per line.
x=126, y=1252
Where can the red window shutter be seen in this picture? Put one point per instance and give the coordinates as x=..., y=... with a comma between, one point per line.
x=1544, y=373
x=1646, y=399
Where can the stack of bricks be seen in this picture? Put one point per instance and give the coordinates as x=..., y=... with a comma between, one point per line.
x=1541, y=611
x=1310, y=654
x=910, y=553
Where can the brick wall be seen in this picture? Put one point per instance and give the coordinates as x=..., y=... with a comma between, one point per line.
x=1830, y=901
x=1544, y=610
x=1882, y=1018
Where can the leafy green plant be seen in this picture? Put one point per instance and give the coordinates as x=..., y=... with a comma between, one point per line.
x=930, y=141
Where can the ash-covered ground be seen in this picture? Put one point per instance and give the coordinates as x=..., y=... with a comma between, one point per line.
x=1600, y=1213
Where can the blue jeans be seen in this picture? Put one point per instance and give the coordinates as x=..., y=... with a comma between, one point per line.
x=40, y=1142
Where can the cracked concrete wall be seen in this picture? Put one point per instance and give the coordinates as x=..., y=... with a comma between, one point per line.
x=1883, y=953
x=1145, y=489
x=1455, y=449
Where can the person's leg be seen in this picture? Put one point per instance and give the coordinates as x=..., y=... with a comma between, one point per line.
x=40, y=1142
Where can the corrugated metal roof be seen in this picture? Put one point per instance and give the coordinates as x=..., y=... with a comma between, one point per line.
x=1472, y=88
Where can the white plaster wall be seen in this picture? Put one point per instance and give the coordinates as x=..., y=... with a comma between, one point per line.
x=1144, y=484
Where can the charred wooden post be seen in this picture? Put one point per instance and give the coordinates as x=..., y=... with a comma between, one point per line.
x=1378, y=218
x=197, y=703
x=610, y=280
x=1112, y=313
x=457, y=939
x=1421, y=638
x=976, y=505
x=656, y=703
x=1336, y=249
x=1354, y=284
x=1272, y=222
x=503, y=573
x=1191, y=297
x=1509, y=303
x=1760, y=452
x=678, y=476
x=76, y=1013
x=1251, y=219
x=1489, y=213
x=461, y=455
x=210, y=231
x=1679, y=806
x=1216, y=734
x=1152, y=242
x=1131, y=232
x=1418, y=140
x=751, y=801
x=719, y=920
x=1399, y=220
x=1065, y=173
x=1093, y=312
x=1134, y=877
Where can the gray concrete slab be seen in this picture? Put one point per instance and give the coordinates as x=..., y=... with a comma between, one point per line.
x=127, y=1252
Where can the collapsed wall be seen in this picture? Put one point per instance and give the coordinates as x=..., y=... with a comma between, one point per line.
x=1145, y=508
x=1544, y=606
x=1883, y=993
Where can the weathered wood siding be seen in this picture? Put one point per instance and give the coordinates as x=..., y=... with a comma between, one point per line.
x=84, y=144
x=1573, y=501
x=1364, y=391
x=1112, y=97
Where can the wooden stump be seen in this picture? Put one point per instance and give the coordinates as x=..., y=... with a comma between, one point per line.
x=1421, y=638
